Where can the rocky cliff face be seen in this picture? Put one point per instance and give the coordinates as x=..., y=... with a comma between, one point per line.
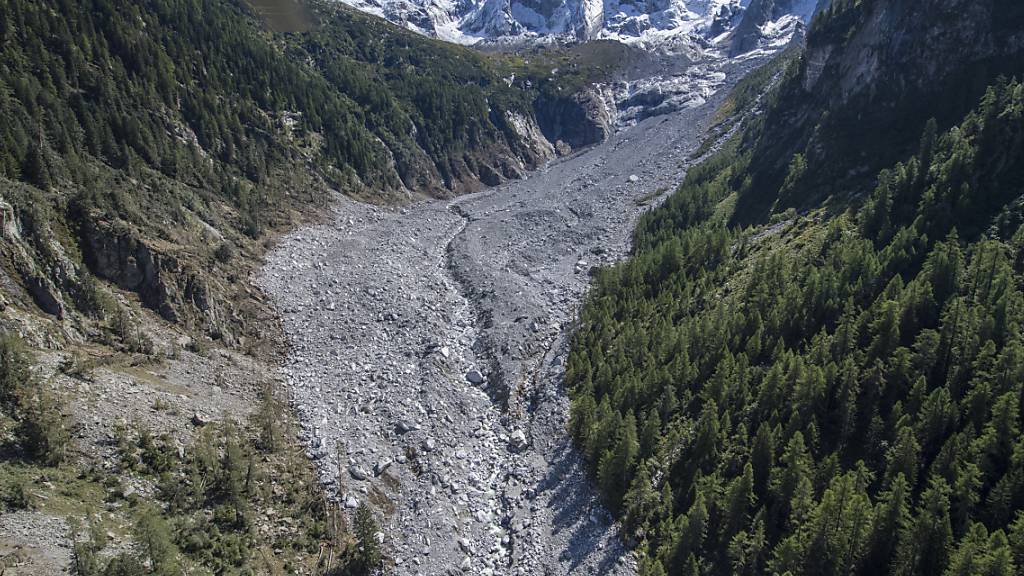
x=916, y=45
x=115, y=253
x=51, y=268
x=657, y=24
x=575, y=121
x=878, y=71
x=37, y=267
x=765, y=23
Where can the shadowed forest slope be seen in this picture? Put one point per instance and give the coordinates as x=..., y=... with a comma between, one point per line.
x=833, y=386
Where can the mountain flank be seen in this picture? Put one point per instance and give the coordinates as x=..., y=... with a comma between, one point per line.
x=808, y=365
x=150, y=153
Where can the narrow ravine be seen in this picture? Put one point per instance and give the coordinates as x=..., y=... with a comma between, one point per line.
x=427, y=351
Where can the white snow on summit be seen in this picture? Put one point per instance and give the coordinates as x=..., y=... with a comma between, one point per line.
x=645, y=23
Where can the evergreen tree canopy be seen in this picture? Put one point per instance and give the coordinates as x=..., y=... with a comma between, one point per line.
x=837, y=392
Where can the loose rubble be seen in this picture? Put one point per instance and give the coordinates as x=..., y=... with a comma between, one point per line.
x=427, y=356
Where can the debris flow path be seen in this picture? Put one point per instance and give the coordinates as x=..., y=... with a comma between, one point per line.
x=427, y=347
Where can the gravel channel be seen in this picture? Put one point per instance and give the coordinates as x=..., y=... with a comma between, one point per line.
x=427, y=346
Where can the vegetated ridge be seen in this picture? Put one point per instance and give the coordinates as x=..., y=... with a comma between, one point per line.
x=166, y=132
x=811, y=363
x=149, y=152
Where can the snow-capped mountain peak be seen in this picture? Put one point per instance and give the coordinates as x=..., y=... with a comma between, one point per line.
x=646, y=23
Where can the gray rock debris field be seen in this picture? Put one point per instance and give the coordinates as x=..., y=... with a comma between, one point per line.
x=427, y=351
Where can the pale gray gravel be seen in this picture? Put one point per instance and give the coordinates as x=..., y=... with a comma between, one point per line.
x=394, y=315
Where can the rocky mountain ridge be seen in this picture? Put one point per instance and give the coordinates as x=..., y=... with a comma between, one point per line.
x=665, y=25
x=867, y=70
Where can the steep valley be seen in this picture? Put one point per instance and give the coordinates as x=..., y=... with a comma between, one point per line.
x=428, y=216
x=677, y=287
x=427, y=346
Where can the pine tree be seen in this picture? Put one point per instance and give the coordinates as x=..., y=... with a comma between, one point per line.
x=904, y=457
x=617, y=463
x=924, y=545
x=268, y=417
x=892, y=518
x=746, y=549
x=367, y=556
x=841, y=525
x=43, y=428
x=705, y=448
x=125, y=565
x=650, y=567
x=793, y=490
x=15, y=371
x=762, y=459
x=35, y=169
x=739, y=498
x=694, y=530
x=154, y=537
x=641, y=502
x=235, y=469
x=40, y=425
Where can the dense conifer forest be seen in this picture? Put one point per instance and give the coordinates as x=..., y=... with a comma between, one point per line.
x=834, y=389
x=200, y=93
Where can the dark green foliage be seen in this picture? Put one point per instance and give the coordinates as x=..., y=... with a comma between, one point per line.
x=821, y=394
x=366, y=558
x=43, y=428
x=15, y=371
x=209, y=492
x=29, y=407
x=160, y=106
x=156, y=542
x=85, y=560
x=15, y=495
x=209, y=496
x=125, y=565
x=267, y=419
x=156, y=553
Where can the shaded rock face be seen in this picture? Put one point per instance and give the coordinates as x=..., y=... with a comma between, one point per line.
x=725, y=19
x=30, y=248
x=530, y=134
x=45, y=295
x=892, y=65
x=750, y=32
x=577, y=121
x=546, y=8
x=916, y=44
x=877, y=72
x=114, y=253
